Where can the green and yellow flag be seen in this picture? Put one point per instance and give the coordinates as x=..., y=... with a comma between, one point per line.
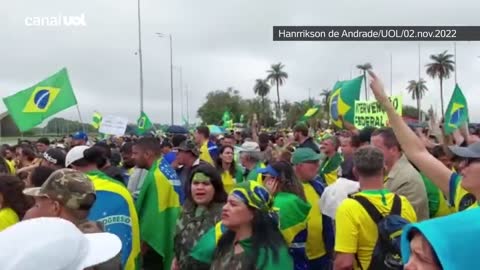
x=158, y=206
x=457, y=111
x=227, y=120
x=342, y=100
x=143, y=123
x=311, y=112
x=31, y=106
x=96, y=120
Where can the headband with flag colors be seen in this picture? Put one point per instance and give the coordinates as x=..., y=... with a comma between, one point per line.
x=31, y=106
x=342, y=100
x=254, y=195
x=457, y=111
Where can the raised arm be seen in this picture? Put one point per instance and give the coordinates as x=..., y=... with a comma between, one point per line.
x=412, y=146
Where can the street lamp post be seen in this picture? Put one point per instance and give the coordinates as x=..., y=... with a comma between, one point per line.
x=140, y=56
x=171, y=74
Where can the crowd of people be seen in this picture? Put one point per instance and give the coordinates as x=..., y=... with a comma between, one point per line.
x=376, y=198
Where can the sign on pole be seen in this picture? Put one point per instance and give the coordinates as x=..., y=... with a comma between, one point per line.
x=113, y=125
x=371, y=113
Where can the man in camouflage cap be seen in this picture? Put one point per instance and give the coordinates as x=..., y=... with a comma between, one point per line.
x=70, y=195
x=67, y=193
x=187, y=157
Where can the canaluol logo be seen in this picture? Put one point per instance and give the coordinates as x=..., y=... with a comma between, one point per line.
x=41, y=99
x=58, y=20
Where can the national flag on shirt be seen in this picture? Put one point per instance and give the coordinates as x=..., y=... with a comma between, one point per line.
x=31, y=106
x=342, y=100
x=96, y=120
x=158, y=206
x=143, y=123
x=457, y=111
x=114, y=207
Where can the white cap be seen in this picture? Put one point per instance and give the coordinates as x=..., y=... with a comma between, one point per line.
x=54, y=244
x=250, y=146
x=335, y=193
x=76, y=153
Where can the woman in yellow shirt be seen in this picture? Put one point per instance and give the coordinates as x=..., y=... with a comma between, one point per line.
x=230, y=172
x=13, y=203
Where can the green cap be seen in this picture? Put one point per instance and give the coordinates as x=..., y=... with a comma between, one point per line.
x=304, y=154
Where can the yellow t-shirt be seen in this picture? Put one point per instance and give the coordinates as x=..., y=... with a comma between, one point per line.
x=8, y=217
x=11, y=166
x=356, y=232
x=315, y=245
x=228, y=182
x=205, y=154
x=458, y=196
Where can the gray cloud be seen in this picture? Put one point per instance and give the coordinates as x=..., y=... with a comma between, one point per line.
x=219, y=44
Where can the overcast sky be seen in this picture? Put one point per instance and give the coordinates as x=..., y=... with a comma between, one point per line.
x=219, y=44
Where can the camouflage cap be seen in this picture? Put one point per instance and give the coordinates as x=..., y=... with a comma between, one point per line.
x=70, y=187
x=188, y=146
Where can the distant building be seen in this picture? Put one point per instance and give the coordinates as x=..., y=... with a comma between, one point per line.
x=7, y=126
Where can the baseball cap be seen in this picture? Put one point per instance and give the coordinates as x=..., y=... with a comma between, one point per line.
x=268, y=170
x=55, y=156
x=80, y=135
x=76, y=153
x=304, y=154
x=250, y=146
x=188, y=146
x=70, y=187
x=471, y=151
x=54, y=243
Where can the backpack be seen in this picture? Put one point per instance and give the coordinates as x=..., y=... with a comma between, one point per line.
x=386, y=254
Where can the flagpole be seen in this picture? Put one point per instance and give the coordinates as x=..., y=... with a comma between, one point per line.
x=455, y=54
x=80, y=117
x=171, y=79
x=181, y=91
x=188, y=114
x=140, y=56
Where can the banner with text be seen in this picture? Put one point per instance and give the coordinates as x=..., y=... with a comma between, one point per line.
x=113, y=125
x=371, y=114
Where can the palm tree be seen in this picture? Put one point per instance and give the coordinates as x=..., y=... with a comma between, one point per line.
x=417, y=89
x=441, y=67
x=365, y=67
x=277, y=77
x=326, y=102
x=262, y=88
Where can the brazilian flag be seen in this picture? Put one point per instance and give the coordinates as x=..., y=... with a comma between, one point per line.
x=31, y=106
x=457, y=111
x=342, y=100
x=310, y=112
x=227, y=120
x=96, y=120
x=143, y=124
